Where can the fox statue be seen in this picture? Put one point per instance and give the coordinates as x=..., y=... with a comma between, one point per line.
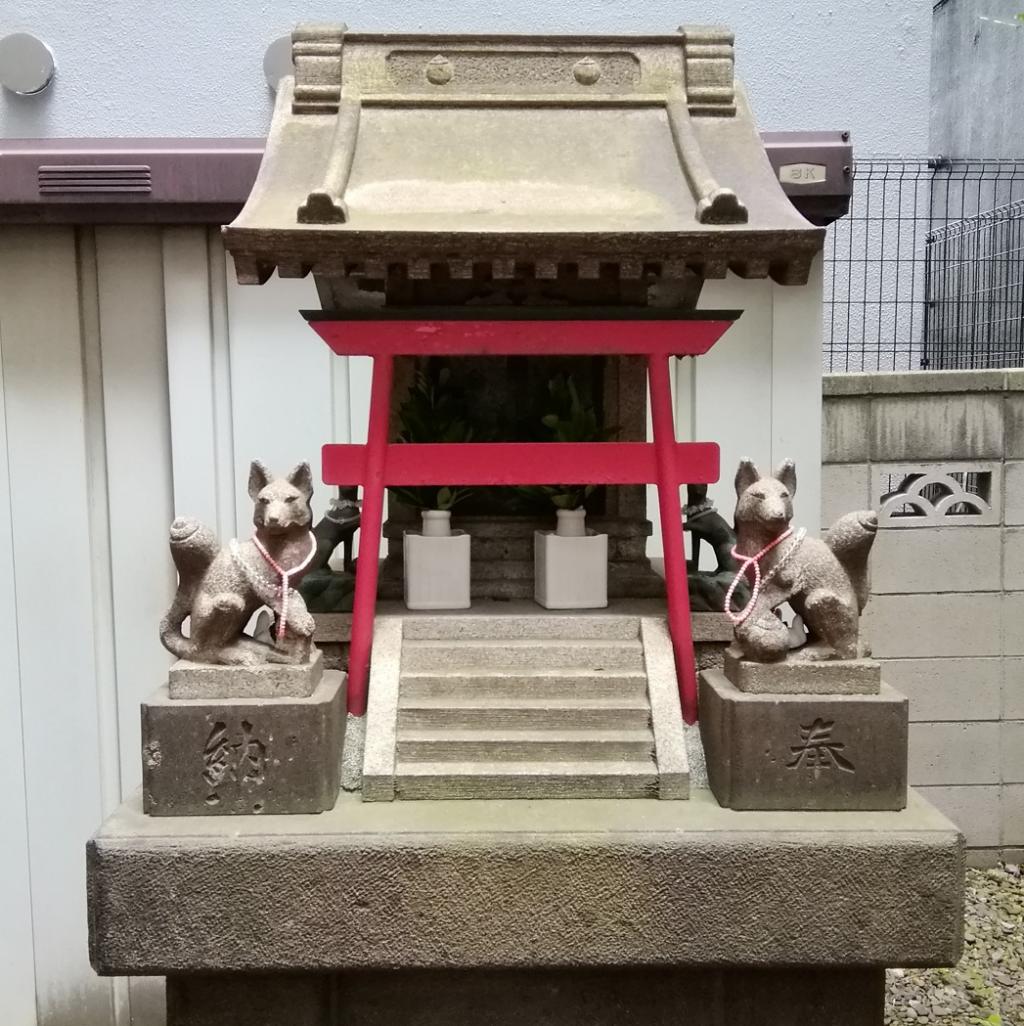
x=220, y=588
x=824, y=580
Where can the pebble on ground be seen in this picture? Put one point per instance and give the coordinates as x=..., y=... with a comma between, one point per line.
x=986, y=988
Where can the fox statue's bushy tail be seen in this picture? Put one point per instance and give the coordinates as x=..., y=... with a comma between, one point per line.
x=193, y=548
x=850, y=538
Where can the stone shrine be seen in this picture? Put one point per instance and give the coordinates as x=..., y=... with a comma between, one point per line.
x=522, y=199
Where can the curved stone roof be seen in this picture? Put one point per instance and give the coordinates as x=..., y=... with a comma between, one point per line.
x=456, y=156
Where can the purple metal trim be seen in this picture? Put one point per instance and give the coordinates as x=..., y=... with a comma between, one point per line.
x=206, y=181
x=90, y=181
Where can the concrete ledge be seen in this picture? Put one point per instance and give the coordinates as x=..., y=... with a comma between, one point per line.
x=906, y=382
x=525, y=884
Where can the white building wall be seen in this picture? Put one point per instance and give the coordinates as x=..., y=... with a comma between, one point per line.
x=138, y=380
x=195, y=69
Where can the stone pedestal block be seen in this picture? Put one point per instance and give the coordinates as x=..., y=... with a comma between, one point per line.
x=570, y=997
x=803, y=677
x=265, y=680
x=239, y=756
x=804, y=752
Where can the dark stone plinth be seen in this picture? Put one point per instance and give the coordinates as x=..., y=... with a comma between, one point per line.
x=524, y=884
x=567, y=997
x=803, y=752
x=243, y=756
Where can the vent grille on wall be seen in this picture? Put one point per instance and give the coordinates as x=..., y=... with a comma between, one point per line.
x=94, y=178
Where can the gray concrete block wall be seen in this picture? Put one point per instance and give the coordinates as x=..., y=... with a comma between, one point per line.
x=946, y=617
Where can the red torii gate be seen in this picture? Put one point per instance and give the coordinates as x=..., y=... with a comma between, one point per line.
x=383, y=335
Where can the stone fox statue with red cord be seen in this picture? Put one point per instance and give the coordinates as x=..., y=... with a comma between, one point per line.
x=824, y=580
x=220, y=588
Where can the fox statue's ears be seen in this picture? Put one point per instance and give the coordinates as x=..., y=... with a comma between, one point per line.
x=259, y=478
x=746, y=475
x=302, y=479
x=787, y=475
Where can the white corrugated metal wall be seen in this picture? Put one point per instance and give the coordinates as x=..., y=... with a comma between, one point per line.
x=137, y=380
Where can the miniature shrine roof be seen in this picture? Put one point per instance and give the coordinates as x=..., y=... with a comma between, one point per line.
x=455, y=156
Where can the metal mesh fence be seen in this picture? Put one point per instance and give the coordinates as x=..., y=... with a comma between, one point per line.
x=882, y=310
x=975, y=291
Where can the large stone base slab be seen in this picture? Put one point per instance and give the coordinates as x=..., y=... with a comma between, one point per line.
x=804, y=752
x=226, y=757
x=506, y=884
x=568, y=997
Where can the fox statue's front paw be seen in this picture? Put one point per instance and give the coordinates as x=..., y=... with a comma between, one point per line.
x=764, y=639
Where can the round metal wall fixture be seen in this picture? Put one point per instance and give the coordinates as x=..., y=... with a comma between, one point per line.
x=277, y=61
x=26, y=64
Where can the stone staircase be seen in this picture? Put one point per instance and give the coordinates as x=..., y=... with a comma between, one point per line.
x=531, y=706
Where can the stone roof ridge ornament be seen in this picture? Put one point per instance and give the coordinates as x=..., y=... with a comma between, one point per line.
x=351, y=179
x=709, y=65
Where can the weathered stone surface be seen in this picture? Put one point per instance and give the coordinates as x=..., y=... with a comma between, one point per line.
x=492, y=883
x=1014, y=409
x=803, y=752
x=937, y=427
x=382, y=711
x=666, y=712
x=909, y=382
x=298, y=211
x=566, y=997
x=332, y=627
x=803, y=677
x=845, y=431
x=242, y=756
x=262, y=680
x=937, y=559
x=954, y=753
x=529, y=625
x=1014, y=493
x=711, y=627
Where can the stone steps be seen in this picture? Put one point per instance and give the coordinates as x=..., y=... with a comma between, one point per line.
x=591, y=779
x=543, y=745
x=523, y=706
x=481, y=654
x=551, y=627
x=501, y=685
x=622, y=712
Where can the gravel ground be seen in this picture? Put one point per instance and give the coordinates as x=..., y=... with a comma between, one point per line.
x=987, y=987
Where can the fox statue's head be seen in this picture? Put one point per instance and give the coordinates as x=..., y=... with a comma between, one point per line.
x=282, y=503
x=765, y=502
